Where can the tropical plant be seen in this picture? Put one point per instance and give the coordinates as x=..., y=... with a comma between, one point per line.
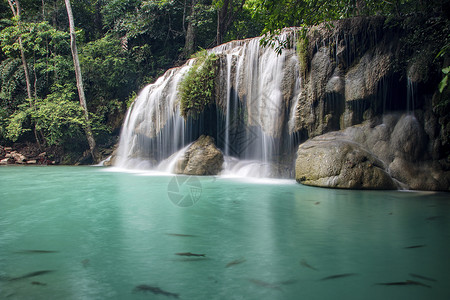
x=197, y=86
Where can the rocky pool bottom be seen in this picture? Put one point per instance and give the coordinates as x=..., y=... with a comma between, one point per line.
x=96, y=233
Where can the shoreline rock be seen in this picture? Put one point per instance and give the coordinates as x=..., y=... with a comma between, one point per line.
x=388, y=155
x=9, y=156
x=328, y=161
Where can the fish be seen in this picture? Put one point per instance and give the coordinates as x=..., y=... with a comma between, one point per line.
x=338, y=276
x=235, y=262
x=422, y=277
x=317, y=203
x=189, y=254
x=406, y=282
x=38, y=283
x=181, y=235
x=415, y=246
x=32, y=274
x=85, y=262
x=155, y=290
x=433, y=218
x=305, y=264
x=36, y=251
x=265, y=284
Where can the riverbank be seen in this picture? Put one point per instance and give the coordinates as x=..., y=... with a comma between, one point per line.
x=28, y=154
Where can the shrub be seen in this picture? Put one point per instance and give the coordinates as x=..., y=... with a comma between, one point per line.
x=197, y=86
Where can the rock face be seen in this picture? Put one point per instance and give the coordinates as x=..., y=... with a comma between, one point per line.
x=332, y=161
x=201, y=158
x=385, y=155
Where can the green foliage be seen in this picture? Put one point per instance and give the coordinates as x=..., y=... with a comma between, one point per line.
x=302, y=54
x=16, y=122
x=131, y=99
x=444, y=82
x=278, y=14
x=57, y=118
x=60, y=121
x=38, y=39
x=197, y=86
x=12, y=81
x=442, y=53
x=109, y=74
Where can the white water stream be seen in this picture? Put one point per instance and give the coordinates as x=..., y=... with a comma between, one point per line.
x=261, y=89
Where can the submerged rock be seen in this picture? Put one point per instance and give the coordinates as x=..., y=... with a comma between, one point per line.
x=201, y=158
x=330, y=161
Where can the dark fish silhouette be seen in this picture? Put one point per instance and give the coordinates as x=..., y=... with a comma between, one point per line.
x=35, y=251
x=235, y=262
x=406, y=282
x=415, y=246
x=305, y=264
x=189, y=254
x=181, y=235
x=433, y=218
x=422, y=277
x=85, y=262
x=155, y=290
x=266, y=284
x=338, y=276
x=38, y=283
x=32, y=274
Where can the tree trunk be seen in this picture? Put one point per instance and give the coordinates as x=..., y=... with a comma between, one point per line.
x=189, y=44
x=221, y=22
x=76, y=62
x=16, y=13
x=225, y=17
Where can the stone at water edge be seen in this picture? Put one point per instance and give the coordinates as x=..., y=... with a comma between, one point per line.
x=201, y=158
x=7, y=161
x=18, y=157
x=328, y=161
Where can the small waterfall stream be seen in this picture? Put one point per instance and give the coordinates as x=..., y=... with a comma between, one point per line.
x=254, y=108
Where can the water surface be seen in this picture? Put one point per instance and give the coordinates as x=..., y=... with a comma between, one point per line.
x=103, y=233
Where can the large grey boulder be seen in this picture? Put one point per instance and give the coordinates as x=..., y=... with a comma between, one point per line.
x=201, y=158
x=373, y=155
x=334, y=162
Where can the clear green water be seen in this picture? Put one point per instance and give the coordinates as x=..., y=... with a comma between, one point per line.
x=112, y=232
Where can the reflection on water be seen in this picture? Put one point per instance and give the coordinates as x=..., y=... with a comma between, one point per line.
x=87, y=233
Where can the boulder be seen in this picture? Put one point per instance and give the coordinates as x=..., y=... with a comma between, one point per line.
x=201, y=158
x=334, y=162
x=18, y=157
x=6, y=161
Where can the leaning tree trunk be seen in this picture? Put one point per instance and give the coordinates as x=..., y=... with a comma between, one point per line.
x=76, y=62
x=16, y=13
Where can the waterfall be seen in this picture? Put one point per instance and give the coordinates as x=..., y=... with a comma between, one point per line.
x=255, y=105
x=153, y=128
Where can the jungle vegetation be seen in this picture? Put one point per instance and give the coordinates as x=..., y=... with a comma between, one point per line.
x=123, y=45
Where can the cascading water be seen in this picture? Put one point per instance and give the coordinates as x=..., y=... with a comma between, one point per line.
x=255, y=101
x=153, y=128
